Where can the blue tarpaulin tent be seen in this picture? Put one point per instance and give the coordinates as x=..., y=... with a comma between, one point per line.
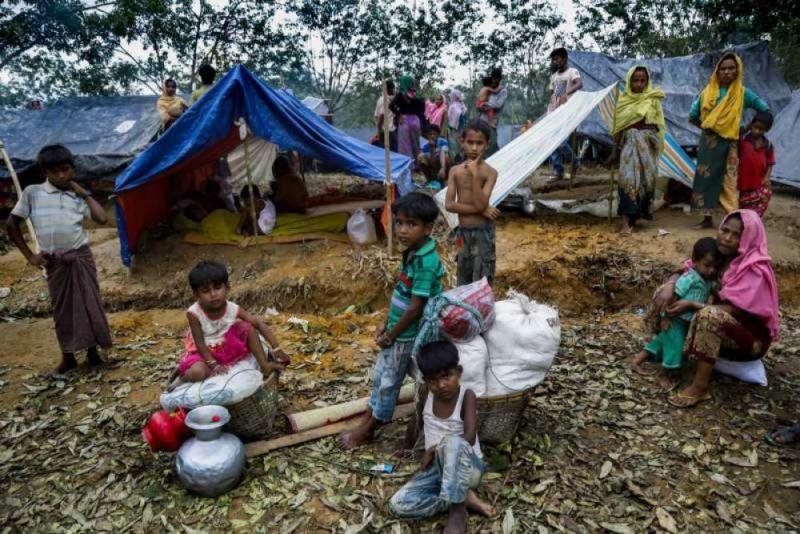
x=207, y=131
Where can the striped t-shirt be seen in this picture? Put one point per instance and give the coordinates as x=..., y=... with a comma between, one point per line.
x=57, y=216
x=420, y=275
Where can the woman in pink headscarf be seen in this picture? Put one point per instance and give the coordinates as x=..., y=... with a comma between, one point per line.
x=436, y=111
x=456, y=123
x=744, y=320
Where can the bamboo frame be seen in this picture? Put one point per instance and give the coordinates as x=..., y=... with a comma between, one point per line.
x=611, y=195
x=18, y=188
x=389, y=223
x=573, y=164
x=249, y=173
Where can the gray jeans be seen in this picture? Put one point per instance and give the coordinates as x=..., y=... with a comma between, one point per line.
x=476, y=253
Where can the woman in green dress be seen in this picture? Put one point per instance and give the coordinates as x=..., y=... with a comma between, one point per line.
x=719, y=110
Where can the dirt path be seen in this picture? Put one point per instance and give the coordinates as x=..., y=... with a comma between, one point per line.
x=600, y=449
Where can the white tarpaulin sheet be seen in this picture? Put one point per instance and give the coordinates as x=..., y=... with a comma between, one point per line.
x=262, y=156
x=521, y=157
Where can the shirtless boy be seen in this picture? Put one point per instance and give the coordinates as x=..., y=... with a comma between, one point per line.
x=469, y=188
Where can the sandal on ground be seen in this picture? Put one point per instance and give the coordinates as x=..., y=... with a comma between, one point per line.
x=690, y=400
x=640, y=370
x=787, y=436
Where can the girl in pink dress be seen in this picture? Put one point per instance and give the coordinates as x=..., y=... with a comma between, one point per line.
x=222, y=333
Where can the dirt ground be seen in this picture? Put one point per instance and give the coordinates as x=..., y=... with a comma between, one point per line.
x=599, y=448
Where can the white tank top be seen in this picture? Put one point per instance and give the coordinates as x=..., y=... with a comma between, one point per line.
x=436, y=428
x=214, y=329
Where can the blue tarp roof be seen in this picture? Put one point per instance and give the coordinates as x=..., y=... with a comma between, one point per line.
x=273, y=115
x=208, y=127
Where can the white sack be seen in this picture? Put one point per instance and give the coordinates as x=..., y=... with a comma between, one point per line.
x=361, y=228
x=751, y=372
x=241, y=381
x=522, y=344
x=473, y=357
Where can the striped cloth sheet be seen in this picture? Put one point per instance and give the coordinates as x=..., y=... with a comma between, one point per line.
x=674, y=162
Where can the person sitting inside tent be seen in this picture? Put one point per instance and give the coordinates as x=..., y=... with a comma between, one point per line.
x=289, y=191
x=207, y=75
x=190, y=210
x=263, y=207
x=433, y=160
x=170, y=106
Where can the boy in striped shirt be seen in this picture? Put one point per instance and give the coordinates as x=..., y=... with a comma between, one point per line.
x=419, y=278
x=57, y=208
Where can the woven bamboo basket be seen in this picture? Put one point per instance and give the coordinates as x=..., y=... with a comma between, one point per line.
x=499, y=416
x=254, y=416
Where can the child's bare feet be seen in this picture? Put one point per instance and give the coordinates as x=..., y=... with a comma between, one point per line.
x=359, y=435
x=667, y=380
x=68, y=362
x=637, y=362
x=478, y=505
x=457, y=520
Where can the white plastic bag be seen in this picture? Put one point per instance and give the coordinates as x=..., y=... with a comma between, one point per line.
x=241, y=381
x=473, y=357
x=361, y=228
x=522, y=344
x=751, y=372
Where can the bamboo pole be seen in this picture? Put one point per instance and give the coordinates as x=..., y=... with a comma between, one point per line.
x=18, y=188
x=573, y=165
x=258, y=448
x=249, y=173
x=310, y=419
x=389, y=225
x=611, y=195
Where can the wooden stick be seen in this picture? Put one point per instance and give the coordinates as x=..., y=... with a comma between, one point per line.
x=573, y=164
x=389, y=229
x=611, y=195
x=253, y=213
x=257, y=448
x=18, y=188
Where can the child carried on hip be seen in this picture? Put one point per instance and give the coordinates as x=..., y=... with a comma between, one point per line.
x=692, y=291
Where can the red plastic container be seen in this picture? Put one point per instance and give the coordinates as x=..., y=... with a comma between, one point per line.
x=166, y=431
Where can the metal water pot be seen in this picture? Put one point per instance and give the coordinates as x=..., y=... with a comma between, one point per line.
x=212, y=462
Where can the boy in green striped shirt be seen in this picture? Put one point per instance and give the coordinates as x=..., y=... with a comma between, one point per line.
x=419, y=278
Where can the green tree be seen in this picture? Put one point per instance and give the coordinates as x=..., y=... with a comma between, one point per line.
x=342, y=40
x=48, y=47
x=664, y=28
x=55, y=48
x=739, y=22
x=427, y=39
x=519, y=43
x=651, y=28
x=177, y=36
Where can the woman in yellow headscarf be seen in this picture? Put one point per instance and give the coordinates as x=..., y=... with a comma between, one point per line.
x=638, y=133
x=170, y=106
x=719, y=111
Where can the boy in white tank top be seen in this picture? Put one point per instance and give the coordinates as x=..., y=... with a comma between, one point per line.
x=452, y=466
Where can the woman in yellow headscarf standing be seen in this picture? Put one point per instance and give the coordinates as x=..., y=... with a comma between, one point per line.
x=638, y=133
x=170, y=106
x=719, y=111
